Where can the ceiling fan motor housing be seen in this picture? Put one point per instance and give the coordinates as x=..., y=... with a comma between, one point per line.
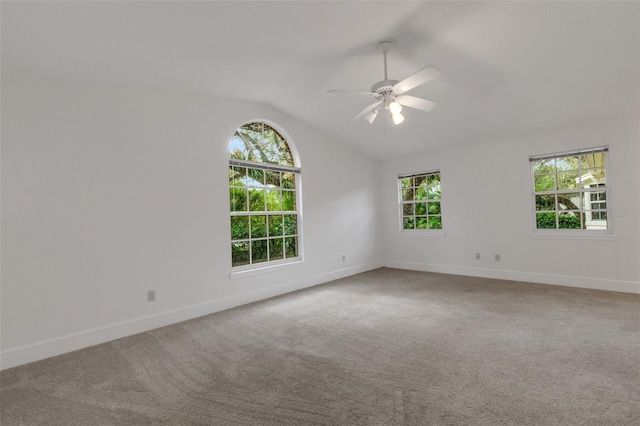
x=383, y=86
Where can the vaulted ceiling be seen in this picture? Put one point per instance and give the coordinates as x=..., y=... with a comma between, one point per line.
x=507, y=67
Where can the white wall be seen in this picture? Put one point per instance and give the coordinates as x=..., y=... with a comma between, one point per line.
x=109, y=192
x=487, y=208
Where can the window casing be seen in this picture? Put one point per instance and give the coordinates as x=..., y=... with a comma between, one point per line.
x=420, y=204
x=264, y=198
x=570, y=190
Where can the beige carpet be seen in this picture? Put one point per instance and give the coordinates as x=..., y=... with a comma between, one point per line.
x=386, y=347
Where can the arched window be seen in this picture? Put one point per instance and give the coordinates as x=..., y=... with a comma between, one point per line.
x=264, y=198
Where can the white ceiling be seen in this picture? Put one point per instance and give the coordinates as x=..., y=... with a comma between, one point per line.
x=508, y=67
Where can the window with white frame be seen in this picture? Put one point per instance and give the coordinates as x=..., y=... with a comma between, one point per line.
x=420, y=201
x=570, y=190
x=264, y=198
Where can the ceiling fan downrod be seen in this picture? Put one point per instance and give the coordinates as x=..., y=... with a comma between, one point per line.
x=385, y=44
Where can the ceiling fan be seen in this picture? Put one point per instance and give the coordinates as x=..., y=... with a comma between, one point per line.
x=390, y=94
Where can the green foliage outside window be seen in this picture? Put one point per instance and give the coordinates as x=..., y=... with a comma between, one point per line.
x=565, y=221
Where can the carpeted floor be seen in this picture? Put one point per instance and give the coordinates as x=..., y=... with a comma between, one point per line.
x=386, y=347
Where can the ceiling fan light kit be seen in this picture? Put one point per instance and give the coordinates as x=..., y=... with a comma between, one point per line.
x=395, y=108
x=397, y=118
x=390, y=94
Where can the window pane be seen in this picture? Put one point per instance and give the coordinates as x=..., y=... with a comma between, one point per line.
x=288, y=201
x=407, y=194
x=435, y=222
x=546, y=221
x=291, y=246
x=595, y=200
x=570, y=201
x=421, y=209
x=407, y=209
x=290, y=224
x=406, y=182
x=407, y=223
x=237, y=148
x=273, y=178
x=421, y=222
x=570, y=220
x=434, y=208
x=595, y=215
x=595, y=195
x=567, y=180
x=288, y=180
x=255, y=177
x=420, y=193
x=544, y=166
x=258, y=251
x=262, y=143
x=593, y=176
x=546, y=202
x=276, y=249
x=237, y=176
x=433, y=179
x=258, y=226
x=419, y=181
x=239, y=253
x=286, y=158
x=567, y=163
x=238, y=199
x=592, y=160
x=239, y=227
x=270, y=146
x=274, y=200
x=256, y=200
x=545, y=182
x=275, y=225
x=434, y=192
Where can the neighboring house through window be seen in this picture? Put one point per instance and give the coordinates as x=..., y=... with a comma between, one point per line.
x=570, y=190
x=420, y=204
x=264, y=198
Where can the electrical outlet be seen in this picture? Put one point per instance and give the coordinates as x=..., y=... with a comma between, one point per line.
x=344, y=258
x=477, y=256
x=497, y=258
x=151, y=296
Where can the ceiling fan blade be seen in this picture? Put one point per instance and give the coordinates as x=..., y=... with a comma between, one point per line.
x=417, y=103
x=425, y=74
x=367, y=110
x=352, y=92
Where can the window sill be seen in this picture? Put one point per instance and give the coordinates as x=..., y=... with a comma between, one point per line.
x=244, y=273
x=589, y=235
x=422, y=233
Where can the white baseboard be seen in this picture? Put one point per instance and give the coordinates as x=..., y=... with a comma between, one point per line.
x=533, y=277
x=60, y=345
